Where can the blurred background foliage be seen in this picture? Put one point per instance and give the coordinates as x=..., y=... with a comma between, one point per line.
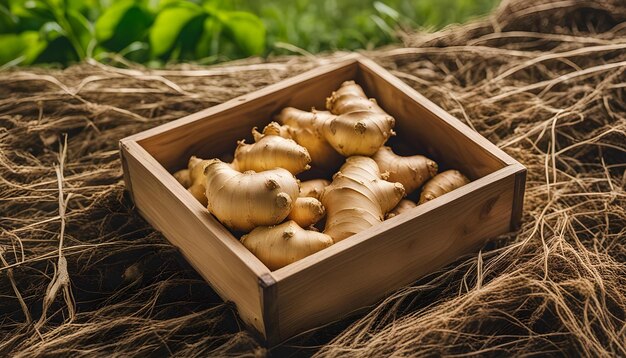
x=155, y=32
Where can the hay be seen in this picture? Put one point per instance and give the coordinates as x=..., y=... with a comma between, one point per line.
x=542, y=80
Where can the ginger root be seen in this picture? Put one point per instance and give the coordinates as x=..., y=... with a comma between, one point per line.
x=306, y=129
x=411, y=171
x=272, y=128
x=307, y=211
x=270, y=151
x=243, y=201
x=403, y=205
x=358, y=198
x=355, y=124
x=359, y=132
x=197, y=178
x=182, y=176
x=441, y=184
x=350, y=97
x=313, y=188
x=280, y=245
x=361, y=126
x=296, y=118
x=255, y=191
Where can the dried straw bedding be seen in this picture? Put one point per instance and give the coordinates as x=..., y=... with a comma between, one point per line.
x=82, y=274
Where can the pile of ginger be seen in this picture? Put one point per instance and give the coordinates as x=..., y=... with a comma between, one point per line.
x=258, y=193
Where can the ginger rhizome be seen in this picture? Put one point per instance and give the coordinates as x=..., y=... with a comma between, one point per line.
x=182, y=176
x=196, y=177
x=192, y=178
x=358, y=198
x=313, y=188
x=280, y=245
x=254, y=190
x=306, y=129
x=243, y=201
x=296, y=118
x=350, y=97
x=270, y=151
x=273, y=128
x=441, y=184
x=361, y=127
x=355, y=124
x=411, y=171
x=403, y=205
x=307, y=211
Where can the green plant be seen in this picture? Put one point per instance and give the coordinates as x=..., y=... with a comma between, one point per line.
x=323, y=25
x=44, y=30
x=207, y=31
x=141, y=30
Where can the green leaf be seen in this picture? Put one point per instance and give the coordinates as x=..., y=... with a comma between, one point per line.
x=81, y=32
x=110, y=18
x=122, y=24
x=209, y=41
x=246, y=30
x=151, y=5
x=60, y=50
x=24, y=47
x=32, y=14
x=51, y=30
x=385, y=9
x=168, y=25
x=383, y=25
x=163, y=4
x=39, y=7
x=56, y=4
x=188, y=39
x=8, y=21
x=77, y=5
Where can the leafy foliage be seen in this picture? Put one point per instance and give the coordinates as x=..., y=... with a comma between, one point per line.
x=323, y=25
x=142, y=30
x=158, y=31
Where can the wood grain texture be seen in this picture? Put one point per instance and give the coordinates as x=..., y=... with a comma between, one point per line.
x=367, y=266
x=269, y=302
x=518, y=202
x=218, y=256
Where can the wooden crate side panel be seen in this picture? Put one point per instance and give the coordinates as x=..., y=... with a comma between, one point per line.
x=400, y=251
x=269, y=301
x=217, y=130
x=430, y=128
x=216, y=263
x=518, y=202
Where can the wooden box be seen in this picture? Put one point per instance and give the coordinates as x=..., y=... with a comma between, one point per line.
x=357, y=271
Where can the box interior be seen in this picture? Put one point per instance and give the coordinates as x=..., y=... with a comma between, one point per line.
x=420, y=128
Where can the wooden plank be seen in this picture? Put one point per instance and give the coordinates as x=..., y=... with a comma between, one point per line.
x=358, y=271
x=269, y=302
x=216, y=130
x=444, y=137
x=218, y=256
x=518, y=197
x=125, y=171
